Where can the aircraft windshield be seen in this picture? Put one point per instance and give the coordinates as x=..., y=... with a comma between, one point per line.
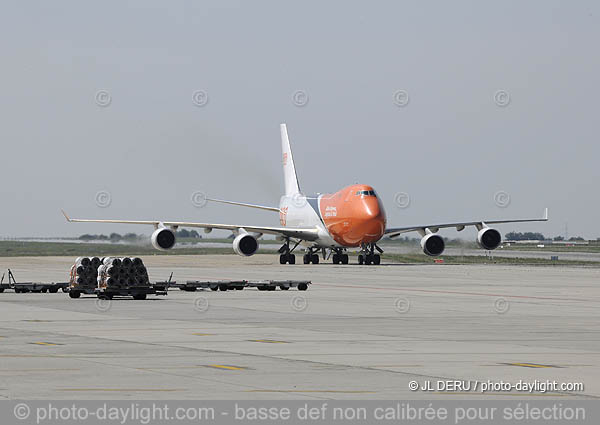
x=366, y=193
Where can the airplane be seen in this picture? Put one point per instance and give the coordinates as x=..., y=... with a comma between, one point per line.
x=353, y=217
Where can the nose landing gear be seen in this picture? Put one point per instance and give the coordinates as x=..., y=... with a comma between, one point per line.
x=367, y=255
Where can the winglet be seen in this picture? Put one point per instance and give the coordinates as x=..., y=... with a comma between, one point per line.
x=66, y=216
x=546, y=214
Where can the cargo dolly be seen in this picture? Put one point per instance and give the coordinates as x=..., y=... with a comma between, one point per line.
x=224, y=285
x=37, y=287
x=137, y=292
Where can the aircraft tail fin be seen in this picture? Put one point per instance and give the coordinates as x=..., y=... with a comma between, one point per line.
x=289, y=169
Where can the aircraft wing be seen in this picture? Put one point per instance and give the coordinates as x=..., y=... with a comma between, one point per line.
x=307, y=234
x=396, y=231
x=243, y=204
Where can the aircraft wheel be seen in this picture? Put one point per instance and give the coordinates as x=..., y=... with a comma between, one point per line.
x=377, y=259
x=292, y=259
x=139, y=297
x=315, y=259
x=282, y=259
x=368, y=260
x=74, y=294
x=336, y=258
x=214, y=288
x=306, y=259
x=302, y=287
x=345, y=259
x=361, y=259
x=223, y=287
x=284, y=288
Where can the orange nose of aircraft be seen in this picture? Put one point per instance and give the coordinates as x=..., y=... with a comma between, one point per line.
x=354, y=216
x=369, y=220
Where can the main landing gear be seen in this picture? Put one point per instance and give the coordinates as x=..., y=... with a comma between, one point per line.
x=339, y=256
x=286, y=256
x=368, y=256
x=310, y=257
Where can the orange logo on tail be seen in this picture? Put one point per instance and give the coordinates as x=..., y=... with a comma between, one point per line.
x=283, y=215
x=285, y=158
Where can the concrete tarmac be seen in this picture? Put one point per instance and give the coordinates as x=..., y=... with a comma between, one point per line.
x=359, y=332
x=392, y=248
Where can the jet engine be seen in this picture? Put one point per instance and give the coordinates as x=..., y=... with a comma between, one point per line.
x=245, y=244
x=488, y=238
x=163, y=239
x=432, y=244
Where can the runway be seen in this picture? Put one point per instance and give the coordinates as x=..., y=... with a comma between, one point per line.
x=393, y=248
x=359, y=332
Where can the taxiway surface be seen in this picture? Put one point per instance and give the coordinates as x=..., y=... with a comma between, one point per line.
x=359, y=332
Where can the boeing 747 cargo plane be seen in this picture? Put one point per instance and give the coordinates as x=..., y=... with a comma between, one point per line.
x=352, y=217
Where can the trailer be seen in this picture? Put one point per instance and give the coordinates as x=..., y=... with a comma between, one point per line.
x=35, y=287
x=101, y=287
x=137, y=292
x=225, y=285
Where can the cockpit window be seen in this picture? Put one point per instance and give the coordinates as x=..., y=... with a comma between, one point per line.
x=366, y=193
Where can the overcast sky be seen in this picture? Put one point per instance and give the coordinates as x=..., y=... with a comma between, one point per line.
x=99, y=97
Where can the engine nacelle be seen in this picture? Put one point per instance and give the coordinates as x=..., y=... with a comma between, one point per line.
x=163, y=239
x=433, y=244
x=245, y=244
x=489, y=238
